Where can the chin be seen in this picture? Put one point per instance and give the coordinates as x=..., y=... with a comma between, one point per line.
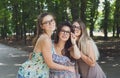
x=63, y=39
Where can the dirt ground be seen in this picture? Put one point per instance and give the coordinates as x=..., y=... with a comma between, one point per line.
x=108, y=49
x=109, y=53
x=19, y=44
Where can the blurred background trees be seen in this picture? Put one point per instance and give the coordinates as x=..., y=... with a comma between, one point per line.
x=18, y=17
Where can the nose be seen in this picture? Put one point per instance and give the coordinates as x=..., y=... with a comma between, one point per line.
x=65, y=33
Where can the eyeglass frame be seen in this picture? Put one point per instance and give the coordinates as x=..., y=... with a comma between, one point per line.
x=78, y=27
x=48, y=22
x=64, y=31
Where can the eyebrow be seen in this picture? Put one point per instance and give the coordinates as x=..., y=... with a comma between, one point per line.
x=66, y=30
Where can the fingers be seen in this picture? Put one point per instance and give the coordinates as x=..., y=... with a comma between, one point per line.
x=72, y=69
x=73, y=36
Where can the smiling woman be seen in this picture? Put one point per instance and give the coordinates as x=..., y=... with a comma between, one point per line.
x=87, y=64
x=61, y=54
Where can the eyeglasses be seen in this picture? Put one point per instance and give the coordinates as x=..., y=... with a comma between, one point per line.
x=48, y=22
x=64, y=31
x=78, y=27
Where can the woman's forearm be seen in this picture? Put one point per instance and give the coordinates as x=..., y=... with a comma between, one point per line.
x=76, y=51
x=88, y=60
x=57, y=66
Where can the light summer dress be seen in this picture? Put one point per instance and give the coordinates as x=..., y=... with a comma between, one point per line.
x=87, y=71
x=90, y=72
x=63, y=60
x=34, y=68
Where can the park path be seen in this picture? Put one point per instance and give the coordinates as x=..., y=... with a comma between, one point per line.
x=11, y=58
x=111, y=66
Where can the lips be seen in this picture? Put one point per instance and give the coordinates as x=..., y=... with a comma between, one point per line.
x=64, y=37
x=76, y=31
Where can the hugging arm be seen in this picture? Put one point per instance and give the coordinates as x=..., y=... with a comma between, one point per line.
x=47, y=54
x=90, y=58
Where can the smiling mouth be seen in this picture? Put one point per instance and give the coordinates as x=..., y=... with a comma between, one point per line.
x=64, y=37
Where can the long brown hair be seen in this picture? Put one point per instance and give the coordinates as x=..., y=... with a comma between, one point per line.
x=39, y=30
x=68, y=43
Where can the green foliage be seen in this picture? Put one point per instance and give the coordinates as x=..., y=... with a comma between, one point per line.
x=19, y=16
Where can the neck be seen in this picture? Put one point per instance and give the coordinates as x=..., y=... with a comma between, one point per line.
x=59, y=47
x=49, y=33
x=60, y=44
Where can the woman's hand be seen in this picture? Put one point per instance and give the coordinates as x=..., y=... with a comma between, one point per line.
x=73, y=38
x=75, y=53
x=71, y=68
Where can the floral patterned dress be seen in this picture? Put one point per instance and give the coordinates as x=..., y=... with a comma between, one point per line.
x=63, y=60
x=34, y=68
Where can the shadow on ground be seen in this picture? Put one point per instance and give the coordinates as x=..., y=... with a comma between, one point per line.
x=109, y=53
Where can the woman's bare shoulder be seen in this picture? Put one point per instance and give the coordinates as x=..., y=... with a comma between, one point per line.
x=43, y=39
x=41, y=42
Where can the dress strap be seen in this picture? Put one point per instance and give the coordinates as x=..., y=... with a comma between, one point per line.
x=53, y=48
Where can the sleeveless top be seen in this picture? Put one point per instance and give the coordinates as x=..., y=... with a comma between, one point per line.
x=34, y=67
x=63, y=60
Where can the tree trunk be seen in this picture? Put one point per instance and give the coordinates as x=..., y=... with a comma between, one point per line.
x=106, y=17
x=83, y=10
x=117, y=17
x=93, y=15
x=75, y=9
x=15, y=20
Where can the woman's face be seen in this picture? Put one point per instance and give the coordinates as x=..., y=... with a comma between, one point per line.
x=64, y=33
x=77, y=29
x=48, y=23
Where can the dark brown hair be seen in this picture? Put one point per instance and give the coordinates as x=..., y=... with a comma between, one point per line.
x=68, y=44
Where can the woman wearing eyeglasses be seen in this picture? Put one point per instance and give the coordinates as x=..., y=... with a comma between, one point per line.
x=41, y=58
x=87, y=64
x=61, y=55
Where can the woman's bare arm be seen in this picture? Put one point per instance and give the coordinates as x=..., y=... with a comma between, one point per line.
x=47, y=54
x=75, y=52
x=89, y=59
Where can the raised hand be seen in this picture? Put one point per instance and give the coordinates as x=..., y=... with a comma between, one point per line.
x=73, y=38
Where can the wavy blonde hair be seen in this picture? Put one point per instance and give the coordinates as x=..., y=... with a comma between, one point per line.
x=85, y=40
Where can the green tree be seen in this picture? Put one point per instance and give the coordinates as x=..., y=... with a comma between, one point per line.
x=117, y=17
x=92, y=14
x=75, y=8
x=106, y=18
